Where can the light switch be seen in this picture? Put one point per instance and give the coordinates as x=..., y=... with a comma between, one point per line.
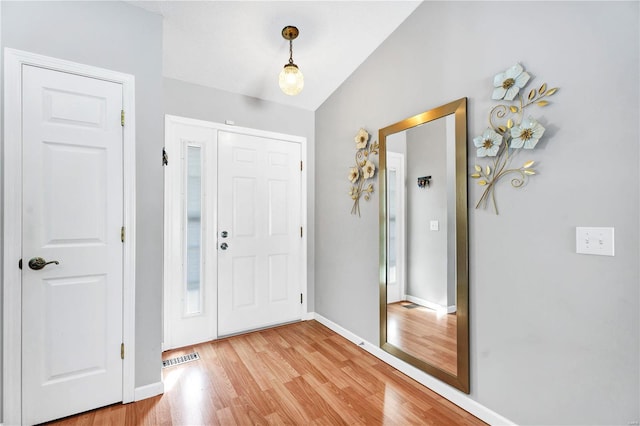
x=597, y=241
x=435, y=225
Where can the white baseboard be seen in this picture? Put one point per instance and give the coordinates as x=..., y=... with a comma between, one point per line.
x=431, y=305
x=148, y=391
x=460, y=399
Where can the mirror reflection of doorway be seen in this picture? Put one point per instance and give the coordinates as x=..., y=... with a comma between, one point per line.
x=396, y=217
x=417, y=327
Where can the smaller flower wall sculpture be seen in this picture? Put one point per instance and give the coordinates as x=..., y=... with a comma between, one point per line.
x=364, y=170
x=508, y=132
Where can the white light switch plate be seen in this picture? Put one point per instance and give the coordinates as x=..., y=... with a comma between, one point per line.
x=597, y=241
x=435, y=225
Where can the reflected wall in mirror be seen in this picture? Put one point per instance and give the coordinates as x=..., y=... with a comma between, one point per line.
x=423, y=242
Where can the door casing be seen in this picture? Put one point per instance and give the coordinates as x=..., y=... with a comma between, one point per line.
x=12, y=222
x=171, y=121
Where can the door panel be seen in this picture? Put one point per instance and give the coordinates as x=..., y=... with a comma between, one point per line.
x=259, y=192
x=243, y=282
x=75, y=207
x=72, y=213
x=243, y=206
x=62, y=312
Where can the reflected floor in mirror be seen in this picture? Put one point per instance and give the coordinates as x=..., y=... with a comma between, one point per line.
x=423, y=333
x=302, y=374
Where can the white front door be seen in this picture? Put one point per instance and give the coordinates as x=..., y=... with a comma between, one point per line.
x=72, y=208
x=259, y=232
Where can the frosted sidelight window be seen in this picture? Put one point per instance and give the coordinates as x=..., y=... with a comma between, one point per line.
x=392, y=254
x=193, y=261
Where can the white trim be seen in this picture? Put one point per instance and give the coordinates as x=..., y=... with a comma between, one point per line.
x=11, y=254
x=170, y=122
x=12, y=222
x=431, y=305
x=149, y=391
x=1, y=218
x=309, y=316
x=460, y=399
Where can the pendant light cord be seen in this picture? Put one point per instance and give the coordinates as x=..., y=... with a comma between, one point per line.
x=290, y=52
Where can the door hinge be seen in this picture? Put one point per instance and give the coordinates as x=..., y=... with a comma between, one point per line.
x=121, y=350
x=122, y=234
x=301, y=232
x=165, y=157
x=122, y=118
x=301, y=298
x=301, y=166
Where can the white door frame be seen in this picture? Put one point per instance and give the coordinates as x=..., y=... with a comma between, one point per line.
x=14, y=60
x=170, y=240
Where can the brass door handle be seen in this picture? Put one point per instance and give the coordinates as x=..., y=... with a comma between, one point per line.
x=38, y=263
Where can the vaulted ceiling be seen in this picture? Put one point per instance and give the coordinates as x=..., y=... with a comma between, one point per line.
x=237, y=46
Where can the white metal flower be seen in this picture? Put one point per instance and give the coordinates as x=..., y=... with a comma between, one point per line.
x=488, y=144
x=354, y=174
x=362, y=138
x=508, y=84
x=368, y=170
x=527, y=134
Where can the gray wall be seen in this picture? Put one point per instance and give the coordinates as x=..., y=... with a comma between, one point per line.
x=204, y=103
x=427, y=249
x=120, y=37
x=554, y=335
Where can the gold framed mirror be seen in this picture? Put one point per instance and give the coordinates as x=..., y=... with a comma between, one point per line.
x=424, y=284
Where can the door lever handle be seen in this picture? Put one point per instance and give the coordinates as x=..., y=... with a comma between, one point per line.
x=38, y=263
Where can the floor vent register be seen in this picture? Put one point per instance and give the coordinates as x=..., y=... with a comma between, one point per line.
x=180, y=360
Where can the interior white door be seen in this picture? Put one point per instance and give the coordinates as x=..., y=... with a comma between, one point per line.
x=259, y=232
x=72, y=215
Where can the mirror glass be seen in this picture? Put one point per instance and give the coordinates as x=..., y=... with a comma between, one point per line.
x=423, y=242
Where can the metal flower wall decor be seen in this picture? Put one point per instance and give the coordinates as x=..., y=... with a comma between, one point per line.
x=363, y=171
x=508, y=132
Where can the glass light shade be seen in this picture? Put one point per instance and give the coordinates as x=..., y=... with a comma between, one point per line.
x=291, y=80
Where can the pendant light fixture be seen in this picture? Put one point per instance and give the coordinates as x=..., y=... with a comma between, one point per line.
x=291, y=78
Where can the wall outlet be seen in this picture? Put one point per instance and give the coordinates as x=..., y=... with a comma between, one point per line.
x=434, y=225
x=597, y=241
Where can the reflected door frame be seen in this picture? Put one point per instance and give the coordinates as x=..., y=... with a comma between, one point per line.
x=398, y=293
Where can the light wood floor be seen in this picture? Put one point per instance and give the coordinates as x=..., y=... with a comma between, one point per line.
x=424, y=334
x=301, y=374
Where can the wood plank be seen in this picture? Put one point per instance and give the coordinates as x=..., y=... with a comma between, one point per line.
x=424, y=334
x=300, y=373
